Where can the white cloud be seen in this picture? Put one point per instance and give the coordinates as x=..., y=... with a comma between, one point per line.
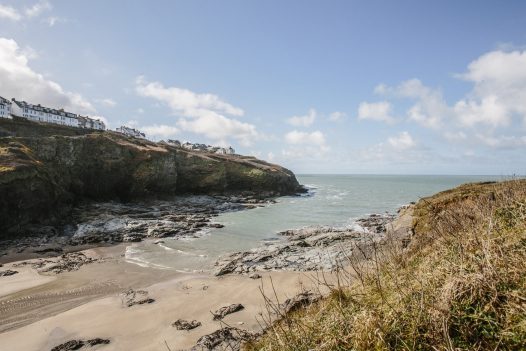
x=10, y=13
x=498, y=94
x=107, y=102
x=502, y=142
x=337, y=116
x=402, y=141
x=305, y=144
x=184, y=101
x=201, y=113
x=455, y=136
x=303, y=121
x=430, y=108
x=220, y=128
x=37, y=9
x=499, y=91
x=296, y=138
x=18, y=80
x=376, y=111
x=161, y=131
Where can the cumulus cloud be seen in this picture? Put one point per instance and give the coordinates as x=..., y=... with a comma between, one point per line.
x=160, y=131
x=107, y=102
x=303, y=121
x=37, y=9
x=201, y=113
x=430, y=108
x=400, y=148
x=19, y=80
x=9, y=13
x=499, y=91
x=305, y=144
x=376, y=111
x=337, y=116
x=402, y=141
x=296, y=138
x=13, y=14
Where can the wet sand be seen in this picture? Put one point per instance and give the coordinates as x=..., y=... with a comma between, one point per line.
x=38, y=312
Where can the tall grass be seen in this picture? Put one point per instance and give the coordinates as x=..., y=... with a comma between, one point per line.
x=460, y=284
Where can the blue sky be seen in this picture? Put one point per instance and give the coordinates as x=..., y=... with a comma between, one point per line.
x=420, y=87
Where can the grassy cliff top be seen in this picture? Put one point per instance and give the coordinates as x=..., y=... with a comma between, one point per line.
x=459, y=285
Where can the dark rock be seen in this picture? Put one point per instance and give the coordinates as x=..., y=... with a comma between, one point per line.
x=224, y=339
x=226, y=310
x=78, y=344
x=136, y=297
x=301, y=300
x=7, y=273
x=255, y=276
x=181, y=324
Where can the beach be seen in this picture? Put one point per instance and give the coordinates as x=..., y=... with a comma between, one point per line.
x=87, y=304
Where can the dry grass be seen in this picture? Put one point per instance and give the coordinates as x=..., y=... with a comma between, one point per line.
x=460, y=285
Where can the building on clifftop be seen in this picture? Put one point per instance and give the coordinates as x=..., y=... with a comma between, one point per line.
x=131, y=132
x=5, y=108
x=39, y=113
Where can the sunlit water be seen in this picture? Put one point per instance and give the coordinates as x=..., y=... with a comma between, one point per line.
x=336, y=200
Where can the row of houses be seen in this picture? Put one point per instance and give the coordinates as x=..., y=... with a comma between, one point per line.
x=39, y=113
x=203, y=147
x=132, y=132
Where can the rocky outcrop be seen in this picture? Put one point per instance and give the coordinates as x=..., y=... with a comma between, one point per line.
x=42, y=178
x=181, y=324
x=308, y=249
x=80, y=344
x=228, y=338
x=226, y=310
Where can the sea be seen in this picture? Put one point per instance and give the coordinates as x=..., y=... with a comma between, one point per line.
x=332, y=200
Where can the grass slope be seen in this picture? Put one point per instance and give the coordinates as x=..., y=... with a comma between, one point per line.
x=459, y=285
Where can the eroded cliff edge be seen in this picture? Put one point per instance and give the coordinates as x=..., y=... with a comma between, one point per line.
x=41, y=178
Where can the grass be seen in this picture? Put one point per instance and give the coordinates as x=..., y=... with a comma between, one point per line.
x=459, y=285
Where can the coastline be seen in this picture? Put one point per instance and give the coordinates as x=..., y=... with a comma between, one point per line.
x=87, y=302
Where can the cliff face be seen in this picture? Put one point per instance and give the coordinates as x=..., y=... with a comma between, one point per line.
x=41, y=178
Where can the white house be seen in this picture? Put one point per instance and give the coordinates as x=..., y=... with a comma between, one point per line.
x=90, y=123
x=5, y=108
x=38, y=113
x=131, y=132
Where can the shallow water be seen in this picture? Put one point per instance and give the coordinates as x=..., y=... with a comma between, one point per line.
x=336, y=200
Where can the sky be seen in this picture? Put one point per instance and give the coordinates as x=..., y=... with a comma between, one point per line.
x=374, y=87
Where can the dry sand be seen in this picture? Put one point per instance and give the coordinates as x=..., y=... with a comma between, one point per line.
x=39, y=312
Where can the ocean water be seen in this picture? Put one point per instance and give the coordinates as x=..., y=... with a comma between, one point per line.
x=335, y=200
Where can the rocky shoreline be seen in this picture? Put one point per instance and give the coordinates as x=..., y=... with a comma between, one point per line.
x=108, y=223
x=308, y=249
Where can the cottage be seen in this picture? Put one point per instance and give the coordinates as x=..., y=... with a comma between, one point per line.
x=131, y=132
x=39, y=113
x=5, y=108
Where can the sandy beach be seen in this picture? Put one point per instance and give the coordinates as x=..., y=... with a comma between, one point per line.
x=87, y=303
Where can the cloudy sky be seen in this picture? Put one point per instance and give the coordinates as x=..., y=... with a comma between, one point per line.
x=425, y=87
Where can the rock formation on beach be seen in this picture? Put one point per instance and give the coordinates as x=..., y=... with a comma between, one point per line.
x=43, y=177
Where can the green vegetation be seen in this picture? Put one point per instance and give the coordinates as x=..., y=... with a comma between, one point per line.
x=459, y=285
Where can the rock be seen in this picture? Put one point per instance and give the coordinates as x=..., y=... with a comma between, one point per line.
x=136, y=297
x=181, y=324
x=307, y=249
x=301, y=300
x=66, y=263
x=7, y=273
x=254, y=276
x=229, y=338
x=78, y=344
x=223, y=311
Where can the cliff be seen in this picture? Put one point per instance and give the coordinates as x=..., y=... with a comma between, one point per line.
x=41, y=178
